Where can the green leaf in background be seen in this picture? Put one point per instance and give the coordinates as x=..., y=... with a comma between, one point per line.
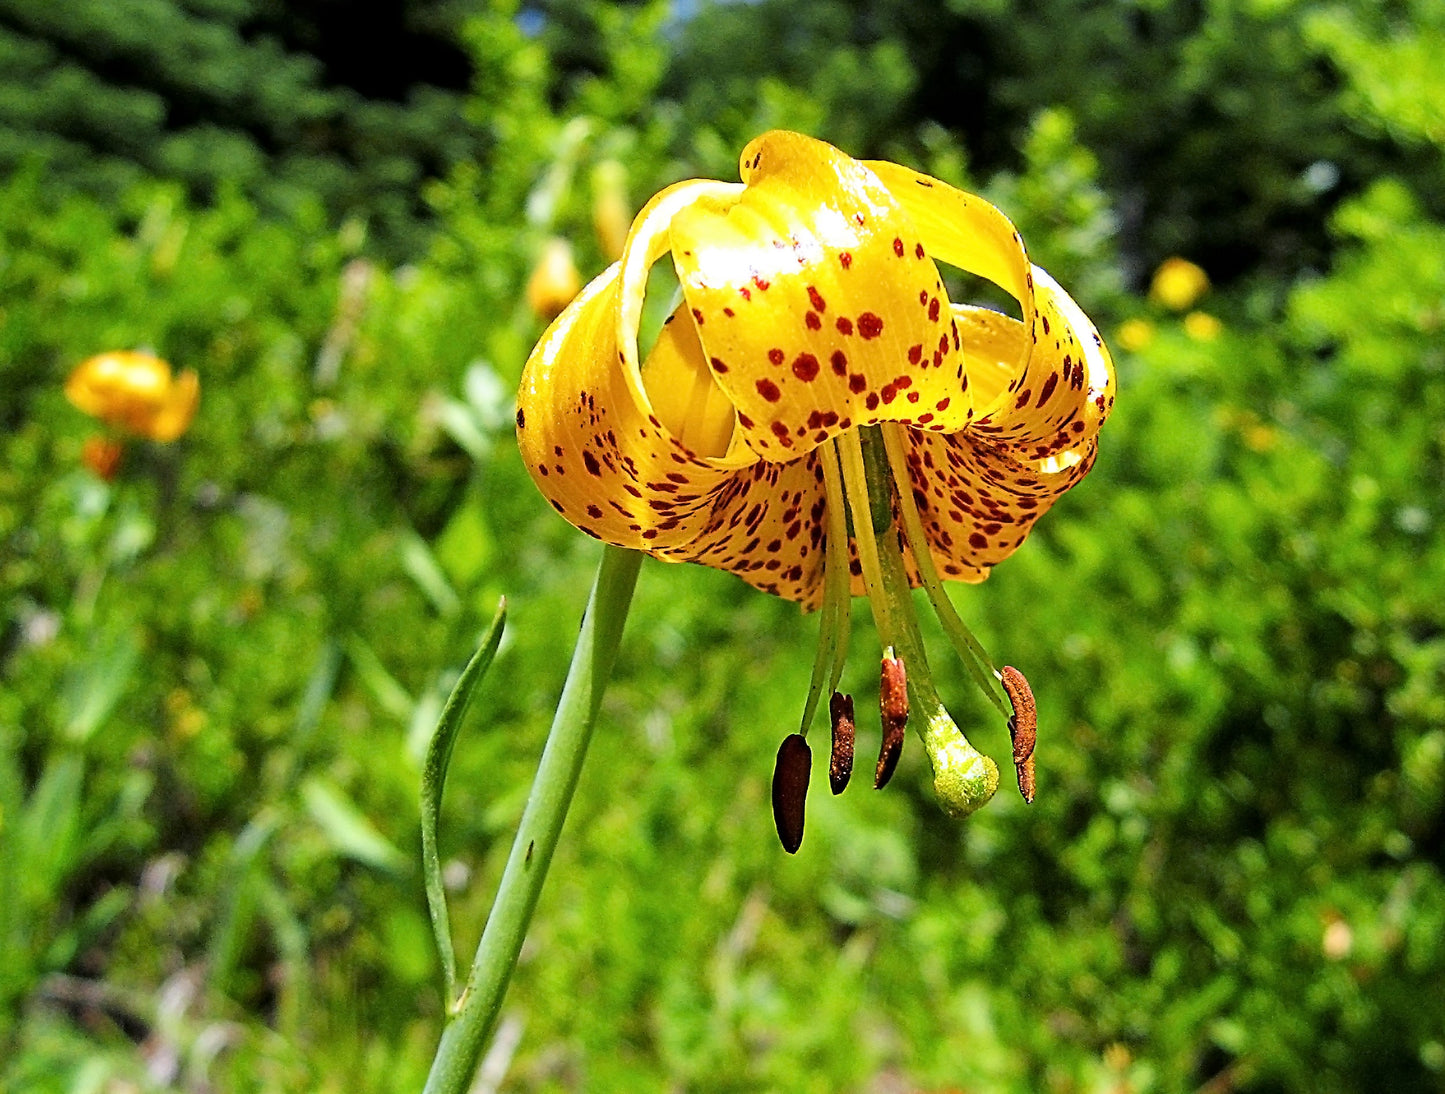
x=433, y=783
x=347, y=829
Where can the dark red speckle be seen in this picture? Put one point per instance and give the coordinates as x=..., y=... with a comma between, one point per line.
x=869, y=325
x=769, y=390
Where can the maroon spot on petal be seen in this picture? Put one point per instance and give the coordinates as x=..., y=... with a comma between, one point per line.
x=769, y=390
x=717, y=364
x=933, y=310
x=978, y=541
x=591, y=461
x=915, y=353
x=859, y=219
x=872, y=401
x=775, y=355
x=729, y=312
x=942, y=404
x=898, y=246
x=924, y=419
x=889, y=393
x=761, y=284
x=840, y=362
x=521, y=419
x=844, y=325
x=745, y=292
x=845, y=259
x=857, y=382
x=805, y=367
x=781, y=431
x=913, y=397
x=594, y=512
x=918, y=250
x=869, y=325
x=1022, y=399
x=744, y=421
x=903, y=381
x=1048, y=388
x=697, y=317
x=816, y=299
x=812, y=320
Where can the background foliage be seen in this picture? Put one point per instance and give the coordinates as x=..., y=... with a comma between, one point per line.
x=217, y=673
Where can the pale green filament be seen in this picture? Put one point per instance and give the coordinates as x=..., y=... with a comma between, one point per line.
x=970, y=651
x=855, y=482
x=833, y=619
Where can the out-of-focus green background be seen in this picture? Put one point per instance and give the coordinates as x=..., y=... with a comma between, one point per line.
x=218, y=672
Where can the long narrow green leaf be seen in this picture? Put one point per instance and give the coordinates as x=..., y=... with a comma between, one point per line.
x=433, y=779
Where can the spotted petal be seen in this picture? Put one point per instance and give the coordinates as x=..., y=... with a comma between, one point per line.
x=1060, y=383
x=613, y=467
x=815, y=301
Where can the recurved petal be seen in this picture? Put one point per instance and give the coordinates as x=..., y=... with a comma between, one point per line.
x=612, y=467
x=173, y=416
x=980, y=491
x=978, y=503
x=1060, y=380
x=1054, y=406
x=816, y=301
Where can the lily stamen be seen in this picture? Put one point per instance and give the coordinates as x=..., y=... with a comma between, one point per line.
x=893, y=706
x=840, y=759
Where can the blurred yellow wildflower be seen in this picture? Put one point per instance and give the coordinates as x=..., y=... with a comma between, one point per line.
x=1135, y=334
x=554, y=281
x=135, y=392
x=1178, y=283
x=1202, y=327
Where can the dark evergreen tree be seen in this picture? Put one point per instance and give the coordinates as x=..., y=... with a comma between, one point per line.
x=354, y=103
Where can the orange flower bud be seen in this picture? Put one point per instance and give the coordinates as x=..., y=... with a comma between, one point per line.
x=135, y=392
x=102, y=455
x=554, y=281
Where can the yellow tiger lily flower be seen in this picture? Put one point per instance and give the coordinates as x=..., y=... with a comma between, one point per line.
x=816, y=416
x=135, y=392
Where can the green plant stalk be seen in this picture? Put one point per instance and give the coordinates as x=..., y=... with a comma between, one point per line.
x=474, y=1015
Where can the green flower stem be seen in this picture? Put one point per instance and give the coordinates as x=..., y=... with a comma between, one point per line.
x=474, y=1015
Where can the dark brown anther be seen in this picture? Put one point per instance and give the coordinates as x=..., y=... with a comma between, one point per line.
x=1022, y=728
x=840, y=765
x=790, y=790
x=893, y=705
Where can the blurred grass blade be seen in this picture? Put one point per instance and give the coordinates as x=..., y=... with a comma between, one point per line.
x=422, y=567
x=95, y=686
x=433, y=779
x=347, y=828
x=389, y=694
